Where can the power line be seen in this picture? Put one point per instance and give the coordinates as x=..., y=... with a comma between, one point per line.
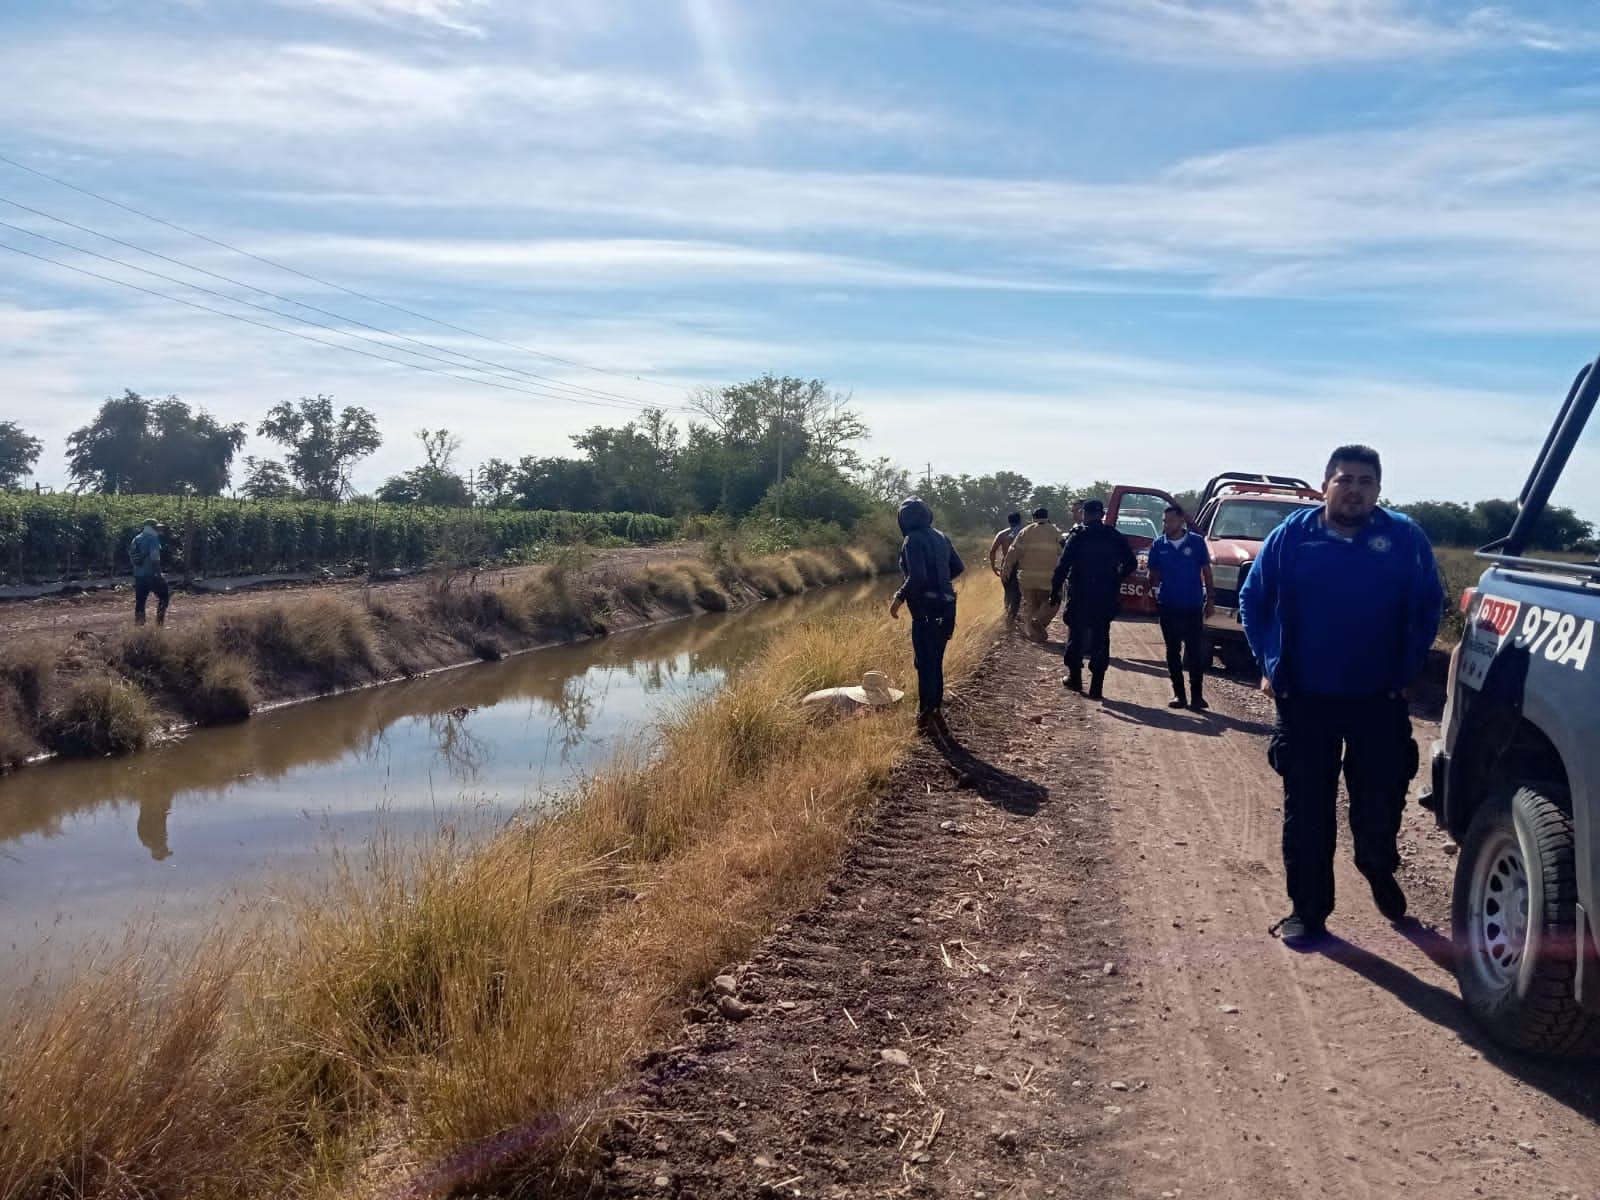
x=388, y=333
x=399, y=362
x=205, y=291
x=328, y=283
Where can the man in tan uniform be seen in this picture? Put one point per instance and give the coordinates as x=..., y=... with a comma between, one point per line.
x=1033, y=555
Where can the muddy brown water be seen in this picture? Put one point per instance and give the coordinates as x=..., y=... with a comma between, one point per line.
x=159, y=846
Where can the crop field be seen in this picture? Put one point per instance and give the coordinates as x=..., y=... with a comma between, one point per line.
x=44, y=538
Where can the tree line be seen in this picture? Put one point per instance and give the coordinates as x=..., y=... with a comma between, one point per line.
x=782, y=446
x=772, y=446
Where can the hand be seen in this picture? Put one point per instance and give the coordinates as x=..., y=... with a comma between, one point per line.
x=894, y=607
x=1211, y=610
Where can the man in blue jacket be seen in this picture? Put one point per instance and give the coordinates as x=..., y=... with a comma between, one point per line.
x=1341, y=608
x=929, y=563
x=144, y=552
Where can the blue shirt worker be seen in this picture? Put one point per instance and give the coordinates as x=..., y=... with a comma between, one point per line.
x=1180, y=571
x=144, y=552
x=1341, y=608
x=930, y=564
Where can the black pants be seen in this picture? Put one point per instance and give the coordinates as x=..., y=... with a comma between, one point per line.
x=1088, y=637
x=931, y=627
x=1013, y=593
x=1184, y=631
x=143, y=585
x=1370, y=738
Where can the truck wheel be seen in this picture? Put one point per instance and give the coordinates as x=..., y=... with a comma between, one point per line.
x=1514, y=919
x=1236, y=658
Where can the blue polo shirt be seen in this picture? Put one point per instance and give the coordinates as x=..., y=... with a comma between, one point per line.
x=1180, y=564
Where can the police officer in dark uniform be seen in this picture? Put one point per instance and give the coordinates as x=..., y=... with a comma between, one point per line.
x=1094, y=562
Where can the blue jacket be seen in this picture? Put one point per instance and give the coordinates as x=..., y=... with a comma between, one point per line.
x=927, y=560
x=144, y=552
x=1342, y=617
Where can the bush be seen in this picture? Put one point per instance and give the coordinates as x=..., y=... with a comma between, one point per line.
x=99, y=717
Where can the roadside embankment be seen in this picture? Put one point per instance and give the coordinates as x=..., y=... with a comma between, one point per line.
x=98, y=691
x=453, y=1021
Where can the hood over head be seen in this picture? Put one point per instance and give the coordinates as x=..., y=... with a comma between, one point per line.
x=914, y=514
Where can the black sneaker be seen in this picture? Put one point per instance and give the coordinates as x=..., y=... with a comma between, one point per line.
x=1073, y=682
x=1298, y=933
x=1389, y=897
x=1199, y=702
x=1177, y=702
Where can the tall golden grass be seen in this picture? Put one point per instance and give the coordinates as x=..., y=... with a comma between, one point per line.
x=456, y=1016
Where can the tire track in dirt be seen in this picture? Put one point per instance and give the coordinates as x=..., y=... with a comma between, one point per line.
x=1350, y=1073
x=1063, y=931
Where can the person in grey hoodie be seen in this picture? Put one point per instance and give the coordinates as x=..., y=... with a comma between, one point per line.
x=929, y=563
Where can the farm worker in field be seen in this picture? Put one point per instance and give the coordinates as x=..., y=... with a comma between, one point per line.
x=1033, y=556
x=144, y=552
x=1008, y=579
x=1341, y=609
x=1093, y=564
x=1180, y=573
x=929, y=563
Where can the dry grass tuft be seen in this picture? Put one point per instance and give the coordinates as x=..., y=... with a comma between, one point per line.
x=120, y=1087
x=98, y=716
x=321, y=639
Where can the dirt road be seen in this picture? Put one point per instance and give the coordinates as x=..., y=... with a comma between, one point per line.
x=1045, y=971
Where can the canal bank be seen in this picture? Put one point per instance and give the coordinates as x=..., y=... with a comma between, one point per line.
x=95, y=852
x=74, y=687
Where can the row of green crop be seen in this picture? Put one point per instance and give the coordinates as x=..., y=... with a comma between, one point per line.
x=46, y=538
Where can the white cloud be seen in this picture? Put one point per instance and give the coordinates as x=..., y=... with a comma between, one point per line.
x=453, y=15
x=1270, y=33
x=637, y=263
x=295, y=105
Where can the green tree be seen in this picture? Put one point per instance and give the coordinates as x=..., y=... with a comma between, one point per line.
x=884, y=481
x=816, y=491
x=139, y=445
x=636, y=463
x=562, y=484
x=433, y=483
x=322, y=447
x=496, y=483
x=753, y=434
x=266, y=479
x=18, y=454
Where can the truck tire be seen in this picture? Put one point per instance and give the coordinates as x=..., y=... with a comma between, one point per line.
x=1514, y=920
x=1236, y=658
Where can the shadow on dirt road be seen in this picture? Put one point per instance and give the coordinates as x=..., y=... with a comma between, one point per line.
x=1554, y=1077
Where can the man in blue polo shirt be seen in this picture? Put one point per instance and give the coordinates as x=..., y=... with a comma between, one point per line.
x=1180, y=572
x=1341, y=608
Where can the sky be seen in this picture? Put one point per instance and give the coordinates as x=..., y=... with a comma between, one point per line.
x=1144, y=240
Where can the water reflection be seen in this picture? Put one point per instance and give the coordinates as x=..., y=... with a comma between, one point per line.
x=218, y=810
